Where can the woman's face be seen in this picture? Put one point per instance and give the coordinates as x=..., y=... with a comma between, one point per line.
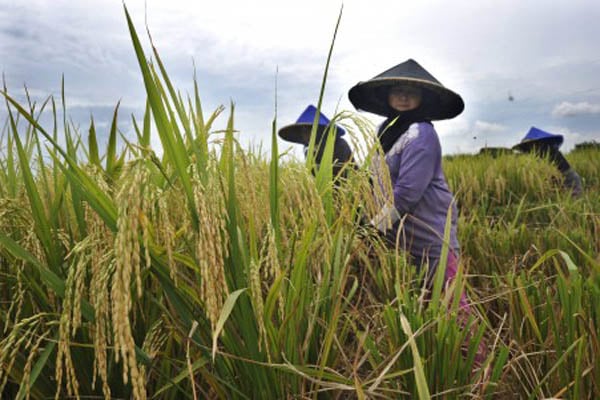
x=404, y=98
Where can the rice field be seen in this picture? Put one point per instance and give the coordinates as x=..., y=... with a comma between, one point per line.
x=216, y=272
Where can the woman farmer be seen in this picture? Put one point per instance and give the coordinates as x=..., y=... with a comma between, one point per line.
x=546, y=145
x=410, y=98
x=299, y=132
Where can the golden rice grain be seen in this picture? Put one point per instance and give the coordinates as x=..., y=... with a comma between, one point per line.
x=33, y=352
x=127, y=255
x=211, y=246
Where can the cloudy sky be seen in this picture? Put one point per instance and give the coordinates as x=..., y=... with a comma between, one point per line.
x=544, y=56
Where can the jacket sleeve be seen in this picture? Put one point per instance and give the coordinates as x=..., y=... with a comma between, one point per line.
x=420, y=158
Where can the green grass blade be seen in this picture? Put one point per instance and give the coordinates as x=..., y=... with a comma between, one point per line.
x=111, y=150
x=39, y=365
x=223, y=316
x=201, y=140
x=420, y=379
x=172, y=145
x=41, y=222
x=528, y=309
x=92, y=193
x=440, y=273
x=537, y=391
x=311, y=143
x=51, y=279
x=94, y=156
x=274, y=183
x=497, y=370
x=174, y=97
x=325, y=175
x=11, y=171
x=181, y=376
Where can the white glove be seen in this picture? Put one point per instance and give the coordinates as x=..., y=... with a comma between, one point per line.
x=386, y=218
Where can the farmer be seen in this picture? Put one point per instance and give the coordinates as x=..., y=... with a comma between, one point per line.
x=546, y=145
x=410, y=98
x=299, y=132
x=414, y=216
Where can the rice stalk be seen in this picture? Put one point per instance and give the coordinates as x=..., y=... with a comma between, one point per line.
x=211, y=245
x=130, y=199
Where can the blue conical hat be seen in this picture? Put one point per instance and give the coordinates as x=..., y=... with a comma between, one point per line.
x=536, y=135
x=301, y=129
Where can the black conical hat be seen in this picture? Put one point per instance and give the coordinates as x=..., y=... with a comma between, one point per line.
x=372, y=95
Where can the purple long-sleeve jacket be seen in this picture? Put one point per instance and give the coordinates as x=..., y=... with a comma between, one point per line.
x=420, y=194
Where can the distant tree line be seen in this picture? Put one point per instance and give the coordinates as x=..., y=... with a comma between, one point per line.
x=497, y=151
x=587, y=145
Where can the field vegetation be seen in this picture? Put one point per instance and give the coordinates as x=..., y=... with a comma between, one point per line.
x=213, y=271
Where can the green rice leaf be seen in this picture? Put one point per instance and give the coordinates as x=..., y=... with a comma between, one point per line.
x=39, y=365
x=223, y=316
x=53, y=281
x=528, y=309
x=274, y=182
x=173, y=147
x=42, y=226
x=313, y=133
x=440, y=273
x=421, y=380
x=174, y=96
x=201, y=362
x=94, y=156
x=111, y=150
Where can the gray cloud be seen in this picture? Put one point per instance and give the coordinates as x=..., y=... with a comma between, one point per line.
x=482, y=127
x=567, y=109
x=543, y=56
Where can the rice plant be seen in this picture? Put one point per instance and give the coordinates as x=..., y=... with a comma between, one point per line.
x=214, y=271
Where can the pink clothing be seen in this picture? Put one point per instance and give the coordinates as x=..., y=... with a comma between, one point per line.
x=451, y=271
x=463, y=306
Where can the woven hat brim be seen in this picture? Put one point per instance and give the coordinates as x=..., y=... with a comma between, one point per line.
x=366, y=96
x=298, y=132
x=524, y=144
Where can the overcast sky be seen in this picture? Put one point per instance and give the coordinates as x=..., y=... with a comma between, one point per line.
x=544, y=55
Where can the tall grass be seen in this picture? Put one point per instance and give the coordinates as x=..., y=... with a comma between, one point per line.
x=214, y=272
